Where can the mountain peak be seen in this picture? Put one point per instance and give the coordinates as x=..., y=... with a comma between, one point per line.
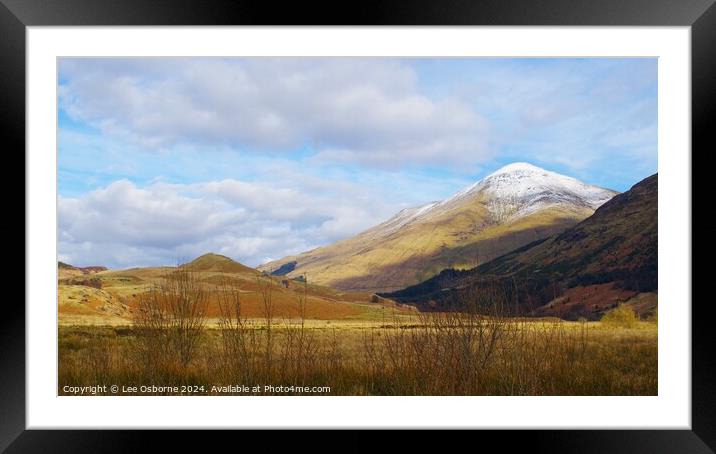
x=520, y=188
x=518, y=167
x=213, y=256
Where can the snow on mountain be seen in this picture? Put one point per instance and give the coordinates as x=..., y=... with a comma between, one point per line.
x=520, y=189
x=513, y=191
x=406, y=216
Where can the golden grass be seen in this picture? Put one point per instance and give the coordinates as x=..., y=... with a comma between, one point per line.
x=437, y=355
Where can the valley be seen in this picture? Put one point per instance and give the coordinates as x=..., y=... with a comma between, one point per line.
x=525, y=283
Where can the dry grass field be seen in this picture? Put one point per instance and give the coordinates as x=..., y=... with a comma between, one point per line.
x=216, y=332
x=435, y=354
x=371, y=358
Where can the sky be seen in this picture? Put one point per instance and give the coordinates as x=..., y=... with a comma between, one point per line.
x=161, y=160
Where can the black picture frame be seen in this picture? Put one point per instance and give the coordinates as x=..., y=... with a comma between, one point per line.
x=700, y=15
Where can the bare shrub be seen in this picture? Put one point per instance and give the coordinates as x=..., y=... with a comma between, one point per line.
x=442, y=352
x=171, y=317
x=283, y=352
x=239, y=341
x=299, y=358
x=265, y=287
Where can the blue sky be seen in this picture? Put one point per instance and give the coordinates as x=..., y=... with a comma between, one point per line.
x=165, y=159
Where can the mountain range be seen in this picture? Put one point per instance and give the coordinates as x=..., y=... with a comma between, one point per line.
x=610, y=257
x=514, y=206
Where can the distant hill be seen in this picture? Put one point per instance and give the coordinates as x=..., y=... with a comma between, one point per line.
x=220, y=263
x=84, y=269
x=514, y=206
x=112, y=297
x=66, y=270
x=613, y=252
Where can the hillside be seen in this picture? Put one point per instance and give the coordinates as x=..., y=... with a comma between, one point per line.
x=516, y=205
x=65, y=270
x=112, y=297
x=608, y=258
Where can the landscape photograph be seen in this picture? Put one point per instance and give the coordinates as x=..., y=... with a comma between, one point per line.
x=363, y=226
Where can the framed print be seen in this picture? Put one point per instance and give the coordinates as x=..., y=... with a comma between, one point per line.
x=453, y=218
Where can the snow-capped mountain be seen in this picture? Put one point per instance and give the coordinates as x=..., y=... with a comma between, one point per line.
x=514, y=191
x=608, y=258
x=515, y=205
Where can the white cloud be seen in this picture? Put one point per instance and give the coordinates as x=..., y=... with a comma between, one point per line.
x=281, y=155
x=370, y=109
x=124, y=225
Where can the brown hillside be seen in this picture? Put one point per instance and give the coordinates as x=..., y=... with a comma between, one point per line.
x=112, y=297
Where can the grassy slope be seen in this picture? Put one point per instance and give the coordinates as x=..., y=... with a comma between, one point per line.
x=460, y=238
